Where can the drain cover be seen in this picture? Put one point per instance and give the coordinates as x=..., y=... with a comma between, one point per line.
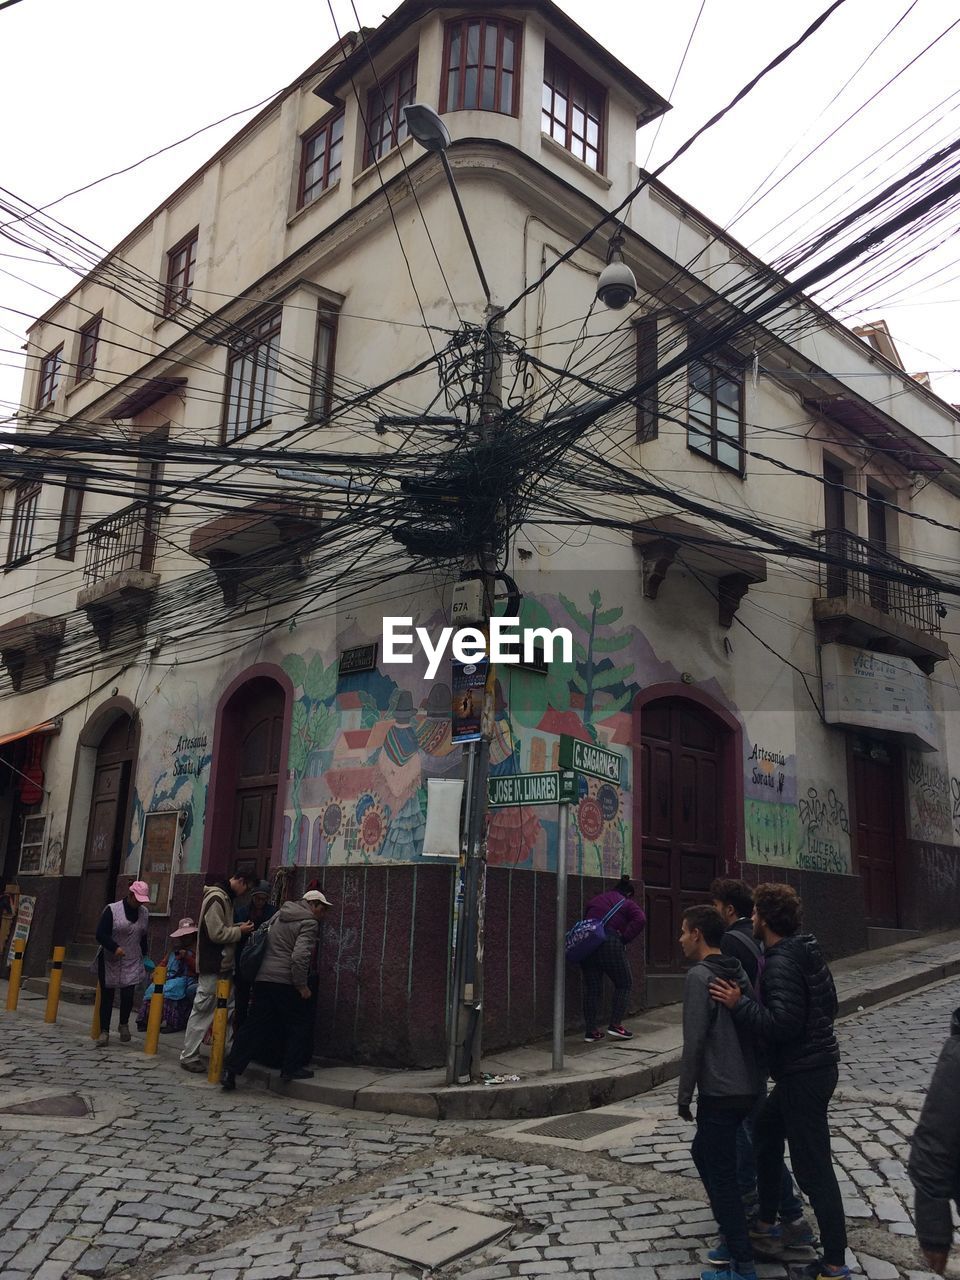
x=583, y=1124
x=64, y=1105
x=431, y=1235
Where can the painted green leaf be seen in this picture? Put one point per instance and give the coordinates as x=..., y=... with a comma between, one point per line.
x=579, y=681
x=595, y=599
x=296, y=668
x=326, y=731
x=579, y=652
x=298, y=721
x=610, y=644
x=609, y=615
x=313, y=680
x=615, y=675
x=579, y=618
x=612, y=708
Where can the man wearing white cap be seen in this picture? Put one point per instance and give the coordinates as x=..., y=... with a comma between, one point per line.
x=122, y=935
x=282, y=999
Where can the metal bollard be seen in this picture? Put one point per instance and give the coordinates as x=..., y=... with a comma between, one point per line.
x=219, y=1032
x=56, y=978
x=16, y=973
x=95, y=1020
x=152, y=1039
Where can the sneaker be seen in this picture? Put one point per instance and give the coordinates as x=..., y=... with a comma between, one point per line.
x=832, y=1273
x=729, y=1273
x=767, y=1241
x=798, y=1235
x=124, y=1033
x=591, y=1037
x=720, y=1255
x=620, y=1033
x=228, y=1081
x=196, y=1065
x=103, y=1040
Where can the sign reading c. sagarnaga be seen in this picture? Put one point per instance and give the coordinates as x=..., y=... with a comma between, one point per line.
x=525, y=788
x=584, y=757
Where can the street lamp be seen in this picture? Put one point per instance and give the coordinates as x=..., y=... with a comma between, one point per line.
x=429, y=130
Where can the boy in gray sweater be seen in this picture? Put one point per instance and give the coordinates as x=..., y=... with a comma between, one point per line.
x=723, y=1069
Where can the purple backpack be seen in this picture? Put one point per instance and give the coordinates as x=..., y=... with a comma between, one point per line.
x=586, y=936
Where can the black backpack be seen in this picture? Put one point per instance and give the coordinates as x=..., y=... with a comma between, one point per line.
x=254, y=950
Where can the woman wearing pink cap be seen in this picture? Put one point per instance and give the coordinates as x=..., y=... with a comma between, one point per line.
x=122, y=934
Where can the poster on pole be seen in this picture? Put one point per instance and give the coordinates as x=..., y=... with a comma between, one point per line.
x=469, y=680
x=21, y=930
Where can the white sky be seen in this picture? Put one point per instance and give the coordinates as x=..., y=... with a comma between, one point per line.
x=90, y=87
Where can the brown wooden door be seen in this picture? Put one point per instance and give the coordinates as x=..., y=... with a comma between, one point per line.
x=101, y=859
x=681, y=812
x=260, y=728
x=878, y=830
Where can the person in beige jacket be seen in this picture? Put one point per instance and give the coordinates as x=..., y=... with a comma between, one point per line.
x=217, y=938
x=282, y=998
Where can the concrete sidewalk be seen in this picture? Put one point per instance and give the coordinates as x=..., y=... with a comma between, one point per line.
x=593, y=1075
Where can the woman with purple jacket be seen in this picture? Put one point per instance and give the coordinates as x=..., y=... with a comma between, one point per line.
x=623, y=925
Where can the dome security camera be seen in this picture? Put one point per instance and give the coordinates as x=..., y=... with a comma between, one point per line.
x=617, y=286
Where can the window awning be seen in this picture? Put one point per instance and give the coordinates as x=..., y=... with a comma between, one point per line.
x=47, y=726
x=143, y=397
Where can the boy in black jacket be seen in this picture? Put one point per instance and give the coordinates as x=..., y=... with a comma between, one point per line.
x=934, y=1166
x=794, y=1022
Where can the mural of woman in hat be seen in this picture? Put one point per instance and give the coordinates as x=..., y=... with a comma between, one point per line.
x=181, y=984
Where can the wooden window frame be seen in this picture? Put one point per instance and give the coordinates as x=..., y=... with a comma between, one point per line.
x=261, y=347
x=321, y=384
x=329, y=173
x=717, y=370
x=554, y=62
x=68, y=530
x=648, y=402
x=388, y=89
x=23, y=522
x=461, y=25
x=87, y=351
x=181, y=273
x=49, y=384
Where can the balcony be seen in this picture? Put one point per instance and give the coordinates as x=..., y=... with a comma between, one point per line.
x=871, y=599
x=118, y=576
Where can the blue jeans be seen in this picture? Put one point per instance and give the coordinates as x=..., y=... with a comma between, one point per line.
x=791, y=1206
x=714, y=1153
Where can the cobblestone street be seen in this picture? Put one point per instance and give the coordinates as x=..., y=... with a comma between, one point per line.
x=163, y=1176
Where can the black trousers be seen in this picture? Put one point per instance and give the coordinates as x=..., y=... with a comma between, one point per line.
x=106, y=1000
x=796, y=1112
x=715, y=1155
x=277, y=1015
x=610, y=958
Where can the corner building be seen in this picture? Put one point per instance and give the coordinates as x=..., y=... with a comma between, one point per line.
x=753, y=555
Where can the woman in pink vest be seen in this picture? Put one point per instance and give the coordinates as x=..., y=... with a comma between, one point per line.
x=122, y=934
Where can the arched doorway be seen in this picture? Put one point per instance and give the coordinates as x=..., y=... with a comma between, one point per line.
x=250, y=756
x=689, y=768
x=114, y=733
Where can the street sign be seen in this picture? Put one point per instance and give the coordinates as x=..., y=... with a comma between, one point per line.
x=584, y=757
x=529, y=788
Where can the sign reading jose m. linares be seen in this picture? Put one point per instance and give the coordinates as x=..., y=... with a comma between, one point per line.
x=509, y=643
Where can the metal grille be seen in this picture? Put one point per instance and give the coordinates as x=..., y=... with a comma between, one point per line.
x=126, y=540
x=870, y=574
x=584, y=1124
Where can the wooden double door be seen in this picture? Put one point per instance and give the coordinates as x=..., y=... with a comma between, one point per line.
x=879, y=834
x=682, y=807
x=256, y=721
x=108, y=827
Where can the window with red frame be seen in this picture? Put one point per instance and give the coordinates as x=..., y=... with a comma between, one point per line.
x=480, y=66
x=573, y=109
x=23, y=521
x=181, y=268
x=321, y=155
x=386, y=127
x=50, y=367
x=252, y=377
x=87, y=355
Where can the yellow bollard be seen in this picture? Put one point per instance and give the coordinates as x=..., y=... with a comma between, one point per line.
x=152, y=1039
x=95, y=1020
x=219, y=1032
x=53, y=991
x=16, y=973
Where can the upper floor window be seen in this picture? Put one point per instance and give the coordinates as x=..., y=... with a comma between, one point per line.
x=181, y=268
x=480, y=66
x=572, y=109
x=252, y=377
x=23, y=521
x=321, y=392
x=49, y=384
x=321, y=154
x=648, y=402
x=87, y=355
x=67, y=533
x=715, y=414
x=386, y=126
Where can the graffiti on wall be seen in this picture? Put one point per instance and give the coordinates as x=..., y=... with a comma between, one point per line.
x=939, y=870
x=769, y=773
x=772, y=833
x=825, y=831
x=928, y=788
x=955, y=793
